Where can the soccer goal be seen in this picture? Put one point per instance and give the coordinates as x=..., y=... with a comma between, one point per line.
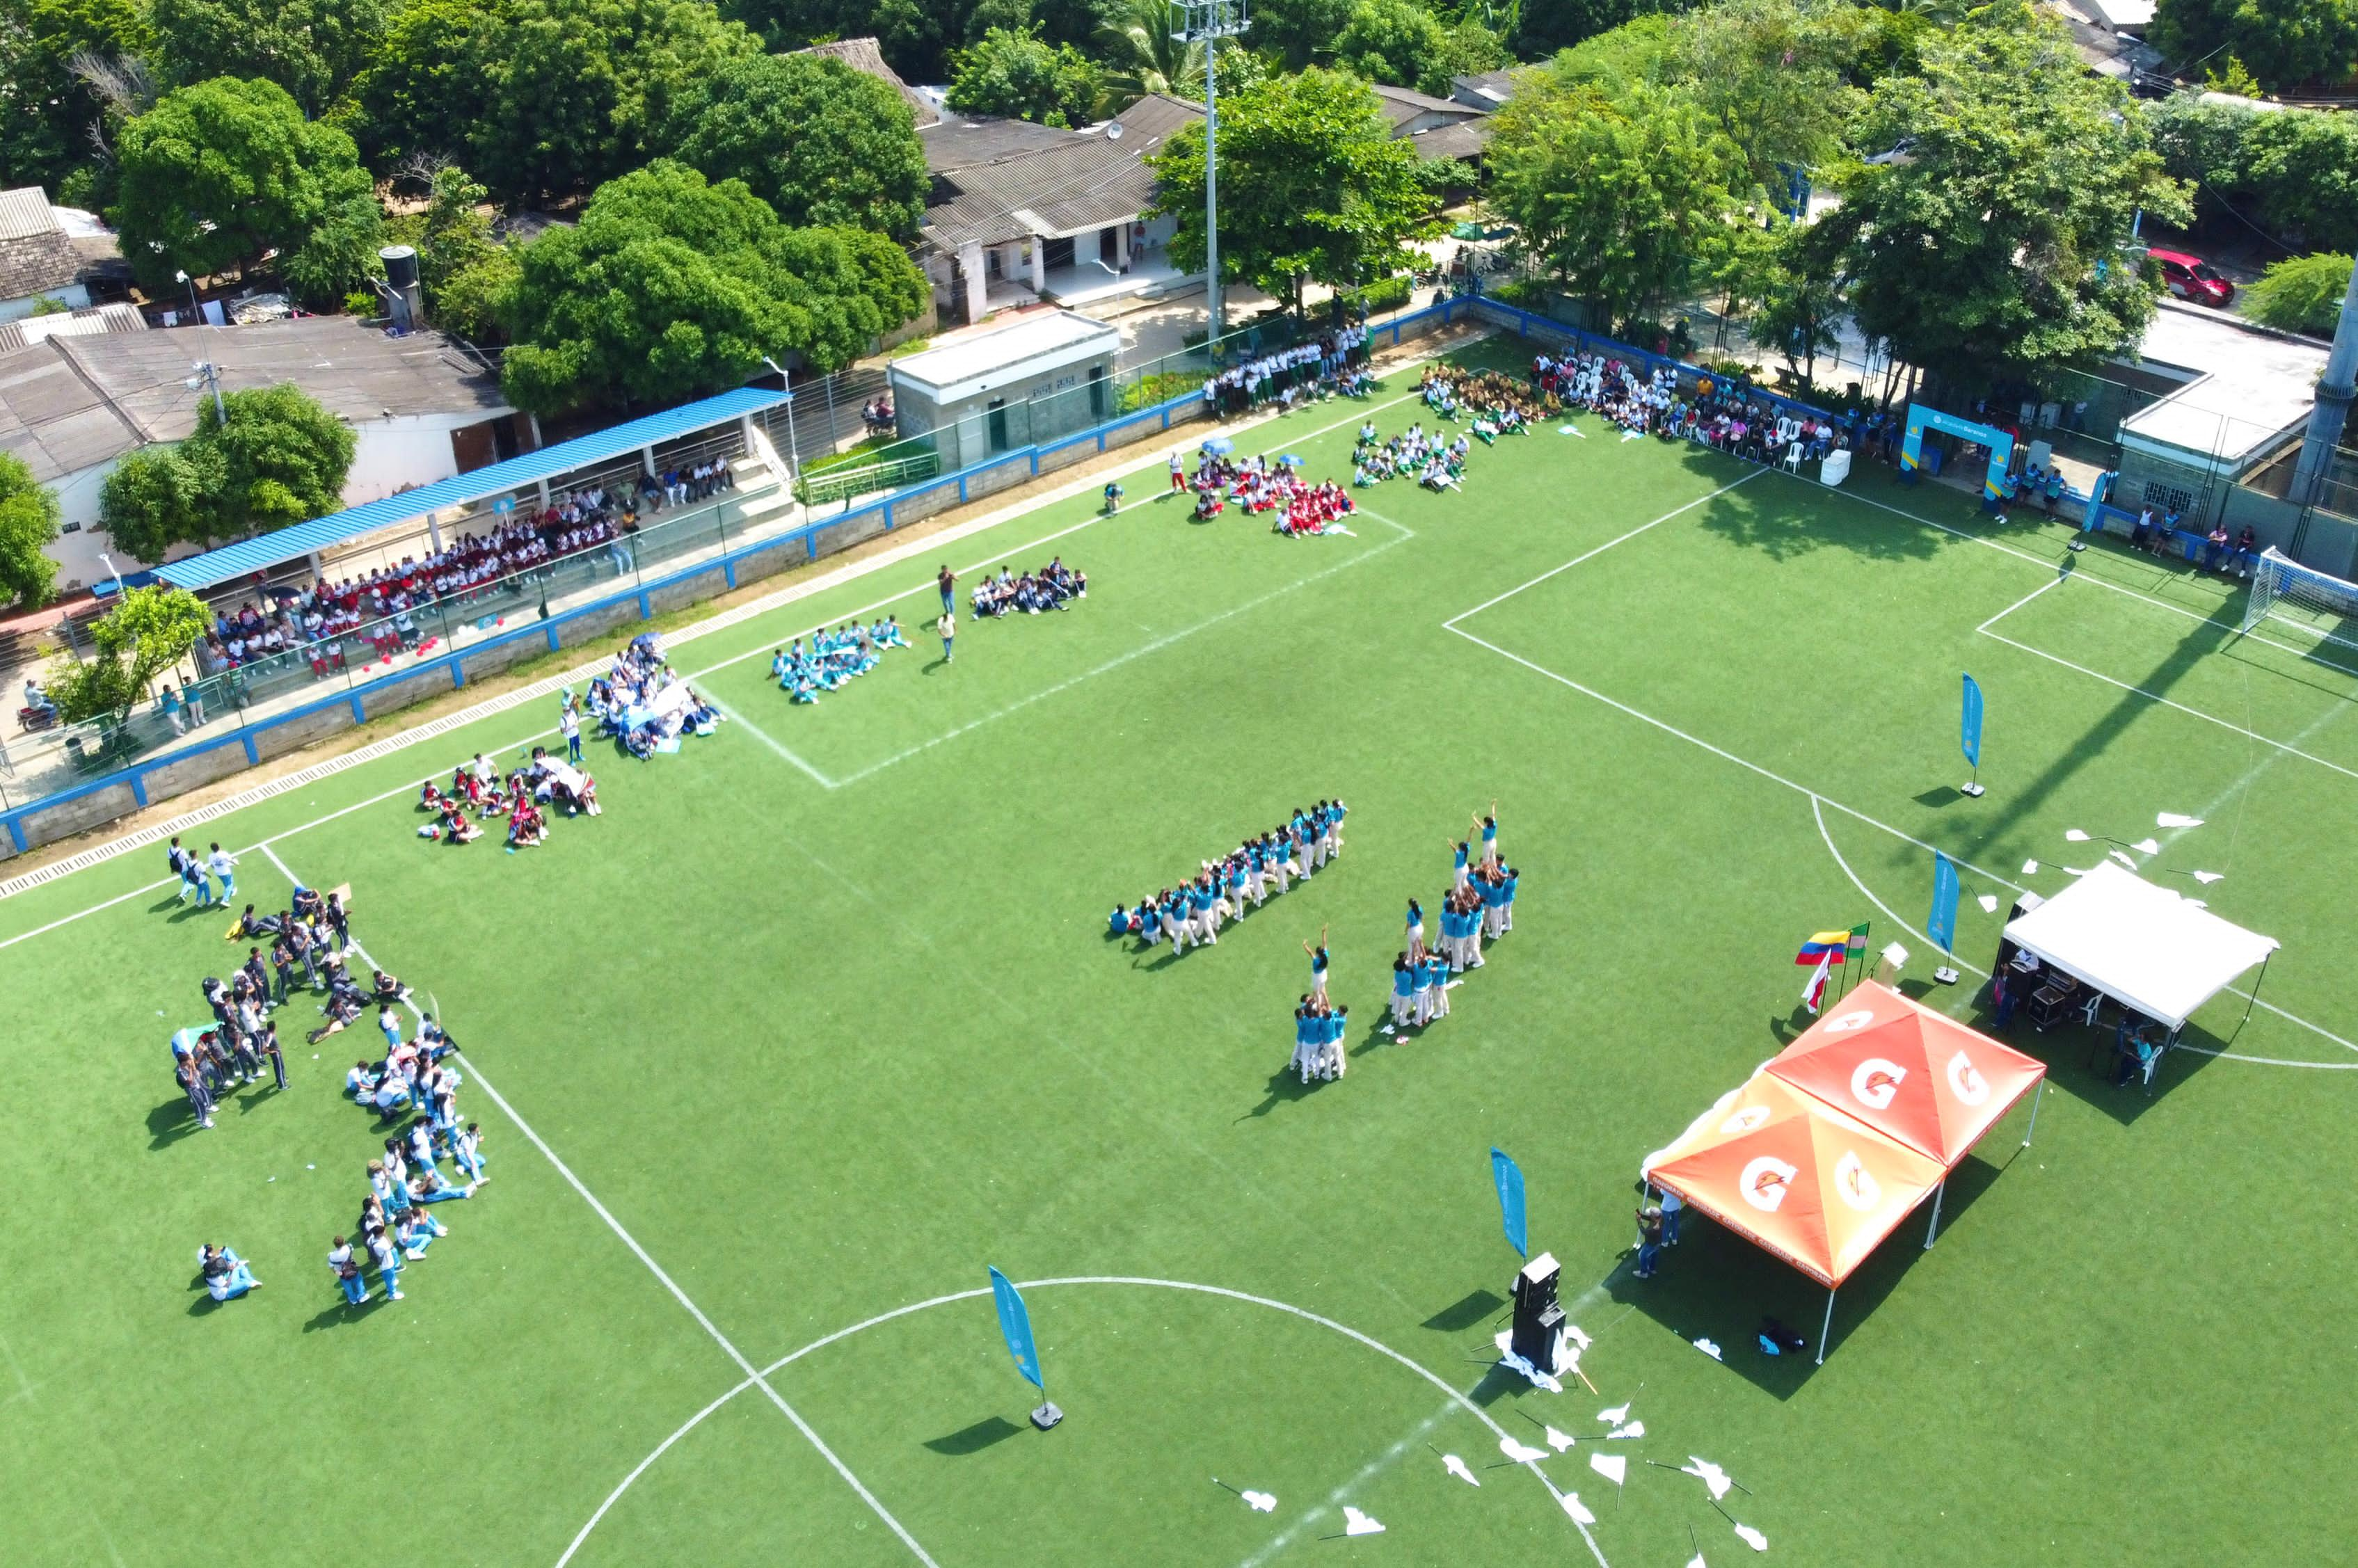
x=2305, y=601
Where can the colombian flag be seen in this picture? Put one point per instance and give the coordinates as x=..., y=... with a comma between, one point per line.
x=1826, y=947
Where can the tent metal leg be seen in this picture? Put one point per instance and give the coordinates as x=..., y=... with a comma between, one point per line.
x=1826, y=1328
x=2254, y=999
x=2036, y=1096
x=1933, y=1229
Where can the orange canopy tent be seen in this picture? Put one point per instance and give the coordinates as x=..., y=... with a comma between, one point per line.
x=1916, y=1075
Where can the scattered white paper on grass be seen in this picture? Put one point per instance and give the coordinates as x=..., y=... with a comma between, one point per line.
x=1697, y=1562
x=1457, y=1467
x=2147, y=846
x=1261, y=1502
x=1569, y=430
x=2124, y=860
x=1752, y=1537
x=1612, y=1467
x=1710, y=1349
x=2074, y=835
x=2207, y=877
x=1988, y=904
x=1521, y=1452
x=1357, y=1523
x=1577, y=1510
x=2175, y=819
x=2074, y=872
x=1709, y=1474
x=1559, y=1441
x=1615, y=1416
x=1572, y=1332
x=2030, y=868
x=1634, y=1429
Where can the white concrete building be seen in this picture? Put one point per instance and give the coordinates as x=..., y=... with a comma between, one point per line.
x=73, y=404
x=1046, y=374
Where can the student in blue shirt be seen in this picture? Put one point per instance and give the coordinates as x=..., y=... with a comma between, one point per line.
x=1488, y=826
x=1506, y=900
x=1421, y=990
x=1457, y=853
x=1318, y=966
x=1403, y=989
x=1416, y=929
x=1438, y=972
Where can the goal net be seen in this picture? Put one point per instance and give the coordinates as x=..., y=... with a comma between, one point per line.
x=2303, y=599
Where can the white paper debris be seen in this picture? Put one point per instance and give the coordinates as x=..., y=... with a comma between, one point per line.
x=2030, y=868
x=1988, y=904
x=1577, y=1510
x=1697, y=1562
x=1752, y=1537
x=1612, y=1467
x=1569, y=430
x=1357, y=1523
x=1572, y=1332
x=1709, y=1474
x=1634, y=1429
x=1521, y=1454
x=2207, y=877
x=1615, y=1416
x=2147, y=846
x=1457, y=1467
x=1559, y=1441
x=2174, y=819
x=2075, y=836
x=1708, y=1348
x=1261, y=1502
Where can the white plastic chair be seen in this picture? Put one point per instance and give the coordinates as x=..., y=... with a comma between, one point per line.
x=1793, y=457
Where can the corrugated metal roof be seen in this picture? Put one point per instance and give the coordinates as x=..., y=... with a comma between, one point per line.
x=1046, y=182
x=89, y=321
x=25, y=211
x=267, y=550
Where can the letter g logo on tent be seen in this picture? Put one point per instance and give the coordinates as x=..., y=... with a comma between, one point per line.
x=1857, y=1187
x=1765, y=1182
x=1965, y=1080
x=1744, y=1121
x=1844, y=1024
x=1875, y=1081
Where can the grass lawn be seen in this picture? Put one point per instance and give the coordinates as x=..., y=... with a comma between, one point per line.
x=820, y=1018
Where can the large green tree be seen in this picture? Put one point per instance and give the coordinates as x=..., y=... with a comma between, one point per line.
x=1544, y=26
x=48, y=112
x=918, y=37
x=311, y=47
x=1297, y=32
x=1776, y=76
x=222, y=171
x=1397, y=42
x=820, y=142
x=1141, y=52
x=2301, y=294
x=574, y=93
x=149, y=630
x=422, y=92
x=269, y=457
x=1796, y=288
x=1628, y=198
x=2281, y=42
x=1313, y=186
x=672, y=288
x=2303, y=169
x=28, y=521
x=1995, y=247
x=1015, y=72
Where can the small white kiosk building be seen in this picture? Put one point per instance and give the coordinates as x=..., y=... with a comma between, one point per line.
x=1046, y=374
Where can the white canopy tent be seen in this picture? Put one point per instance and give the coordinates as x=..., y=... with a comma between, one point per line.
x=2145, y=947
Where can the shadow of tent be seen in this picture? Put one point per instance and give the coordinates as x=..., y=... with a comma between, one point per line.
x=2081, y=1061
x=1717, y=1285
x=976, y=1438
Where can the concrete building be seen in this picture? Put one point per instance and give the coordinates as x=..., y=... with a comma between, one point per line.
x=1046, y=374
x=39, y=260
x=73, y=404
x=1023, y=213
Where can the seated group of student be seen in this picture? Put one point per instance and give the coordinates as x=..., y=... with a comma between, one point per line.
x=1257, y=485
x=1193, y=911
x=393, y=1226
x=833, y=657
x=1052, y=587
x=477, y=786
x=1608, y=388
x=1492, y=403
x=1433, y=462
x=632, y=703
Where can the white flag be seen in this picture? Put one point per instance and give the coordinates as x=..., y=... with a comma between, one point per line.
x=1577, y=1510
x=1814, y=992
x=1457, y=1467
x=1357, y=1523
x=1612, y=1467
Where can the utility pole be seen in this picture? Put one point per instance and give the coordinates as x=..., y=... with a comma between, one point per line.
x=1207, y=22
x=207, y=377
x=2328, y=417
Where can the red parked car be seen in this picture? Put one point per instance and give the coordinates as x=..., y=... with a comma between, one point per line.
x=2193, y=278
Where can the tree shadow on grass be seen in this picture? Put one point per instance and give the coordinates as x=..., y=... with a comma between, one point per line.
x=1717, y=1285
x=974, y=1439
x=1777, y=515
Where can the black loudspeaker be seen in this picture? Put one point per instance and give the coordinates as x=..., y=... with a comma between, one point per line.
x=1537, y=1335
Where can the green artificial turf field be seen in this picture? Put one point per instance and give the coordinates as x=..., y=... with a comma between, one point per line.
x=820, y=1018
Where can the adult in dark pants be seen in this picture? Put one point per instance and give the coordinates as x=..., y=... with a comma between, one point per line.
x=947, y=580
x=192, y=1083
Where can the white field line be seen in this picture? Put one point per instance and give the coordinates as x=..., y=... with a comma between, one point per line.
x=1455, y=1397
x=753, y=1377
x=771, y=741
x=2018, y=604
x=1155, y=646
x=1903, y=922
x=548, y=685
x=1983, y=871
x=1466, y=614
x=1359, y=1477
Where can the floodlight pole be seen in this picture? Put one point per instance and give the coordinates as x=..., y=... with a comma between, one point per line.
x=1207, y=22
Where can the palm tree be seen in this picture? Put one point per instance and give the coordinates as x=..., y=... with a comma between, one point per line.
x=1141, y=57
